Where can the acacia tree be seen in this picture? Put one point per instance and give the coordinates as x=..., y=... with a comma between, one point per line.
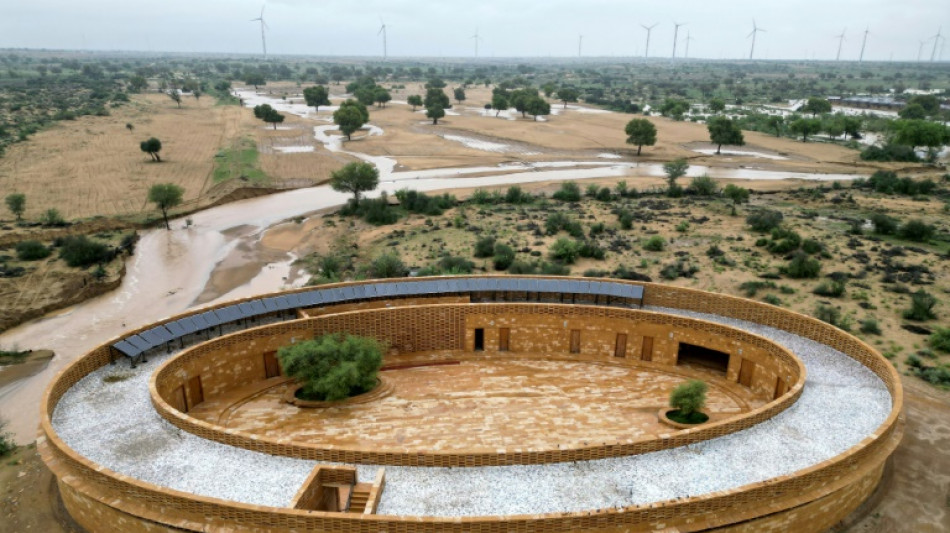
x=415, y=101
x=350, y=117
x=717, y=105
x=273, y=117
x=916, y=133
x=381, y=96
x=165, y=196
x=437, y=96
x=355, y=178
x=738, y=195
x=435, y=112
x=519, y=100
x=816, y=106
x=806, y=127
x=567, y=94
x=459, y=93
x=173, y=94
x=255, y=79
x=129, y=126
x=499, y=102
x=537, y=106
x=674, y=170
x=152, y=147
x=16, y=203
x=724, y=131
x=640, y=131
x=316, y=96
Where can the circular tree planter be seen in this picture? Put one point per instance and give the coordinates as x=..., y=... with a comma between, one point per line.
x=662, y=415
x=382, y=389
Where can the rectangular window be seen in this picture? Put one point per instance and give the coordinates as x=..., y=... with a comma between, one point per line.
x=271, y=365
x=504, y=335
x=746, y=371
x=646, y=351
x=575, y=341
x=620, y=349
x=479, y=339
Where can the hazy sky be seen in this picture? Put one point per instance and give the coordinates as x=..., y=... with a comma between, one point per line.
x=520, y=28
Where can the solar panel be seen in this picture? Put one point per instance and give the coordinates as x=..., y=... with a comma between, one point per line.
x=349, y=293
x=635, y=291
x=175, y=329
x=283, y=302
x=361, y=292
x=270, y=304
x=163, y=334
x=245, y=309
x=522, y=285
x=151, y=337
x=461, y=285
x=126, y=348
x=230, y=313
x=420, y=287
x=333, y=295
x=138, y=342
x=188, y=325
x=258, y=307
x=386, y=289
x=212, y=319
x=494, y=284
x=444, y=286
x=548, y=285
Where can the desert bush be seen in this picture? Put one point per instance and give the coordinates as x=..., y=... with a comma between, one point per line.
x=833, y=316
x=764, y=220
x=419, y=202
x=890, y=152
x=916, y=230
x=451, y=264
x=565, y=250
x=591, y=250
x=883, y=224
x=940, y=340
x=591, y=191
x=7, y=445
x=52, y=218
x=481, y=197
x=689, y=397
x=376, y=211
x=32, y=251
x=772, y=299
x=80, y=251
x=655, y=244
x=559, y=221
x=503, y=256
x=783, y=241
x=831, y=288
x=921, y=306
x=554, y=269
x=514, y=195
x=683, y=226
x=522, y=267
x=703, y=186
x=626, y=220
x=678, y=269
x=388, y=265
x=569, y=192
x=802, y=266
x=604, y=195
x=811, y=246
x=598, y=228
x=333, y=367
x=870, y=326
x=485, y=247
x=751, y=288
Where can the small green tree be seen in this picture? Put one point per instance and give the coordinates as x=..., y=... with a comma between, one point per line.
x=388, y=266
x=16, y=203
x=436, y=96
x=724, y=131
x=674, y=170
x=567, y=94
x=175, y=96
x=435, y=112
x=816, y=106
x=806, y=127
x=940, y=340
x=499, y=103
x=640, y=132
x=738, y=195
x=152, y=147
x=165, y=196
x=565, y=250
x=7, y=444
x=350, y=117
x=129, y=126
x=537, y=107
x=717, y=105
x=356, y=177
x=271, y=116
x=689, y=397
x=415, y=101
x=32, y=251
x=316, y=96
x=333, y=367
x=381, y=96
x=459, y=94
x=921, y=306
x=775, y=123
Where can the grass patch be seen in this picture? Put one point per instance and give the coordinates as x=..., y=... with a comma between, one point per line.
x=693, y=418
x=239, y=161
x=116, y=378
x=12, y=357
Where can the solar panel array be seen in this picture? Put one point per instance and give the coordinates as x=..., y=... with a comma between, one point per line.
x=135, y=345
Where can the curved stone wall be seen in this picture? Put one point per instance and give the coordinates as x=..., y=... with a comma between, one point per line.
x=827, y=490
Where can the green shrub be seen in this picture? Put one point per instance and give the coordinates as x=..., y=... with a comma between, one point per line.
x=890, y=152
x=883, y=224
x=784, y=241
x=764, y=220
x=481, y=197
x=916, y=230
x=559, y=221
x=751, y=288
x=388, y=266
x=32, y=251
x=333, y=367
x=870, y=326
x=689, y=397
x=7, y=445
x=504, y=255
x=831, y=288
x=811, y=246
x=833, y=316
x=419, y=202
x=522, y=267
x=802, y=266
x=655, y=244
x=591, y=250
x=772, y=299
x=485, y=247
x=591, y=191
x=683, y=226
x=603, y=194
x=455, y=265
x=555, y=269
x=569, y=192
x=80, y=251
x=514, y=195
x=565, y=250
x=940, y=340
x=598, y=228
x=626, y=220
x=52, y=218
x=921, y=306
x=704, y=186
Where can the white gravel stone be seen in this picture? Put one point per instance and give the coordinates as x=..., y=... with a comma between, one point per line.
x=114, y=425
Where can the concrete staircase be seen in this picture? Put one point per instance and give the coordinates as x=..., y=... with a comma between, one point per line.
x=359, y=497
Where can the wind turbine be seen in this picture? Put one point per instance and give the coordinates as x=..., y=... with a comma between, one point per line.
x=382, y=31
x=477, y=38
x=676, y=31
x=263, y=25
x=755, y=30
x=863, y=43
x=936, y=39
x=580, y=41
x=688, y=39
x=648, y=29
x=920, y=49
x=840, y=42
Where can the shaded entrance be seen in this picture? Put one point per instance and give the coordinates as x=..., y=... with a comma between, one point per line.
x=700, y=356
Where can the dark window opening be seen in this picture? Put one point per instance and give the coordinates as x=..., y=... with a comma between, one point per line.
x=504, y=336
x=691, y=354
x=575, y=341
x=479, y=339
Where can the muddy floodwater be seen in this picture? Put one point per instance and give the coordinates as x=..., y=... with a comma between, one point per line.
x=220, y=257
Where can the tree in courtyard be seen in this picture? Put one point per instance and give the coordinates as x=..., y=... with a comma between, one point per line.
x=165, y=196
x=738, y=195
x=568, y=94
x=333, y=367
x=459, y=94
x=640, y=131
x=316, y=96
x=674, y=170
x=717, y=105
x=806, y=127
x=435, y=112
x=689, y=398
x=499, y=102
x=152, y=147
x=415, y=101
x=355, y=178
x=537, y=106
x=724, y=131
x=175, y=96
x=16, y=203
x=816, y=106
x=350, y=117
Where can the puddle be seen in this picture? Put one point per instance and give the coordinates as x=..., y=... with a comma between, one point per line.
x=746, y=153
x=293, y=149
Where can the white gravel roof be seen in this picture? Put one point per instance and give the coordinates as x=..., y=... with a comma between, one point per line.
x=114, y=425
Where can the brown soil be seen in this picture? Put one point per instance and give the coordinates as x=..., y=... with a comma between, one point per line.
x=29, y=496
x=29, y=365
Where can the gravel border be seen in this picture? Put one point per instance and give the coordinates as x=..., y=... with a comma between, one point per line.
x=114, y=425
